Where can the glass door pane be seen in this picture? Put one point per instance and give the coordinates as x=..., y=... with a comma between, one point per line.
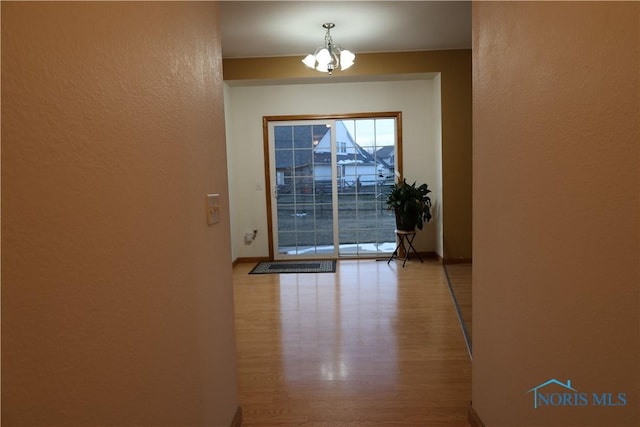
x=365, y=161
x=303, y=217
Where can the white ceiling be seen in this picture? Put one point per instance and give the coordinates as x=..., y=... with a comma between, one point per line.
x=285, y=28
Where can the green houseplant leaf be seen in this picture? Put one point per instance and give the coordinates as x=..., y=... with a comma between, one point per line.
x=411, y=204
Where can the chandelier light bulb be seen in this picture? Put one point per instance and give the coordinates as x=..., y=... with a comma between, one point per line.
x=324, y=57
x=309, y=61
x=347, y=59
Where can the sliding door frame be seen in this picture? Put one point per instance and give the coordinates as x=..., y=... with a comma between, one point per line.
x=265, y=134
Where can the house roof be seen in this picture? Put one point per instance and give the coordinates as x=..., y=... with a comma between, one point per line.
x=385, y=151
x=293, y=159
x=359, y=154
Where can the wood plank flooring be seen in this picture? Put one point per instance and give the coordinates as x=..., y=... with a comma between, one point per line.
x=371, y=345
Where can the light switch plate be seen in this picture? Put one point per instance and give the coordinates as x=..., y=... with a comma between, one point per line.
x=213, y=208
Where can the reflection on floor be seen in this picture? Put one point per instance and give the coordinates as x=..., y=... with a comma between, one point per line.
x=459, y=276
x=374, y=344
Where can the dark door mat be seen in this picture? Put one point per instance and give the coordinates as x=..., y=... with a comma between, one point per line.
x=266, y=267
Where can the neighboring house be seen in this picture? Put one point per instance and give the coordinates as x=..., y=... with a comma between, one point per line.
x=294, y=165
x=356, y=166
x=387, y=156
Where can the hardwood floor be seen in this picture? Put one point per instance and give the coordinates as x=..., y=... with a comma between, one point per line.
x=460, y=280
x=371, y=345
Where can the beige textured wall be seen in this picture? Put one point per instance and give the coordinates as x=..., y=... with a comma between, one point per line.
x=556, y=160
x=455, y=69
x=116, y=296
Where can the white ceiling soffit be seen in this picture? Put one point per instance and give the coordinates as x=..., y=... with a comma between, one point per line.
x=284, y=28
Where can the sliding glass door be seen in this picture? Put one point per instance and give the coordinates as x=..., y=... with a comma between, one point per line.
x=302, y=206
x=329, y=180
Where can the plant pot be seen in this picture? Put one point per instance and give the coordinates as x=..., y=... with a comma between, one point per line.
x=404, y=223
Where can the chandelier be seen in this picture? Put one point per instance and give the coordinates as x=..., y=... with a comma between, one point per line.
x=329, y=57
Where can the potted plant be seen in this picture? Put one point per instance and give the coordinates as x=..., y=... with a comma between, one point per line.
x=411, y=204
